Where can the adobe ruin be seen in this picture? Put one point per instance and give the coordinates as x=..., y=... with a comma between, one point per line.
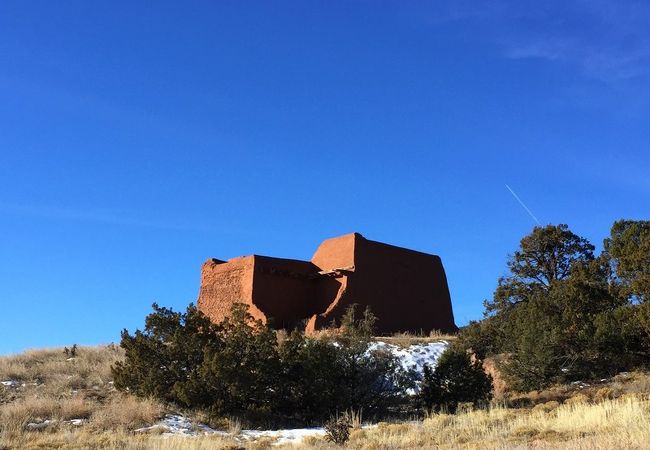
x=407, y=290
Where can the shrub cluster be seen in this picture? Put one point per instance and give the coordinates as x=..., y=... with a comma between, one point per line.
x=337, y=429
x=240, y=368
x=563, y=314
x=456, y=379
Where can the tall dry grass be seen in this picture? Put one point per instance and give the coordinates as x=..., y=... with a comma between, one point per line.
x=635, y=383
x=125, y=412
x=576, y=425
x=55, y=388
x=407, y=339
x=85, y=439
x=611, y=424
x=56, y=372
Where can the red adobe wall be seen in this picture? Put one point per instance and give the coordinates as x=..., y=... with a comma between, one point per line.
x=275, y=289
x=284, y=289
x=406, y=289
x=224, y=283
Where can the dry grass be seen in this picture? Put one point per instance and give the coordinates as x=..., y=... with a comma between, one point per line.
x=55, y=388
x=407, y=339
x=126, y=412
x=404, y=339
x=57, y=373
x=629, y=383
x=623, y=423
x=83, y=439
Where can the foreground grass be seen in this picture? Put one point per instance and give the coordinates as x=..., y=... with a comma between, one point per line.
x=52, y=389
x=622, y=423
x=51, y=386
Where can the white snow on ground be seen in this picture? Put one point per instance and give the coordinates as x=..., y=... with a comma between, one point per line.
x=291, y=436
x=32, y=426
x=416, y=356
x=177, y=425
x=76, y=422
x=9, y=383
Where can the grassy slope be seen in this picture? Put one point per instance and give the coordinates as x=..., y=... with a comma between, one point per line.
x=613, y=414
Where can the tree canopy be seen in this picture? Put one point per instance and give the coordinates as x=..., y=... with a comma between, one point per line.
x=544, y=257
x=629, y=249
x=562, y=313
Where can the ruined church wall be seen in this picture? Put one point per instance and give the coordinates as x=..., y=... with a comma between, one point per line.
x=225, y=283
x=335, y=252
x=284, y=289
x=406, y=289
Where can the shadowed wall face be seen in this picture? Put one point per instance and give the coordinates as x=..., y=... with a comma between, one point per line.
x=284, y=289
x=406, y=289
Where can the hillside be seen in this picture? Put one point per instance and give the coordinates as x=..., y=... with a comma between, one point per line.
x=52, y=400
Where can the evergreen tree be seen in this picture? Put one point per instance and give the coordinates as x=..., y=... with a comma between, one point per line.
x=310, y=378
x=456, y=379
x=629, y=249
x=164, y=360
x=555, y=315
x=545, y=257
x=244, y=372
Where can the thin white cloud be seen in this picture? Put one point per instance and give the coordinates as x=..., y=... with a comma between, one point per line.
x=607, y=40
x=601, y=61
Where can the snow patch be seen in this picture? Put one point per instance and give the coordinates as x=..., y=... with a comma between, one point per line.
x=289, y=436
x=178, y=425
x=175, y=425
x=416, y=356
x=9, y=383
x=76, y=422
x=34, y=426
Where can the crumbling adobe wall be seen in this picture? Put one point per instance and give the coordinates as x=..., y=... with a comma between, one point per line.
x=334, y=256
x=275, y=289
x=407, y=290
x=225, y=283
x=283, y=290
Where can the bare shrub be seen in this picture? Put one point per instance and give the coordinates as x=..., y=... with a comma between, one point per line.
x=337, y=429
x=70, y=352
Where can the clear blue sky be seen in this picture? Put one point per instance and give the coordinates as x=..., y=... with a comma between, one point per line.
x=137, y=139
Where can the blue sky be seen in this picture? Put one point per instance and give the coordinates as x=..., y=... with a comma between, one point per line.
x=139, y=139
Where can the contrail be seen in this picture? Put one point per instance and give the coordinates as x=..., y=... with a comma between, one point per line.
x=524, y=205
